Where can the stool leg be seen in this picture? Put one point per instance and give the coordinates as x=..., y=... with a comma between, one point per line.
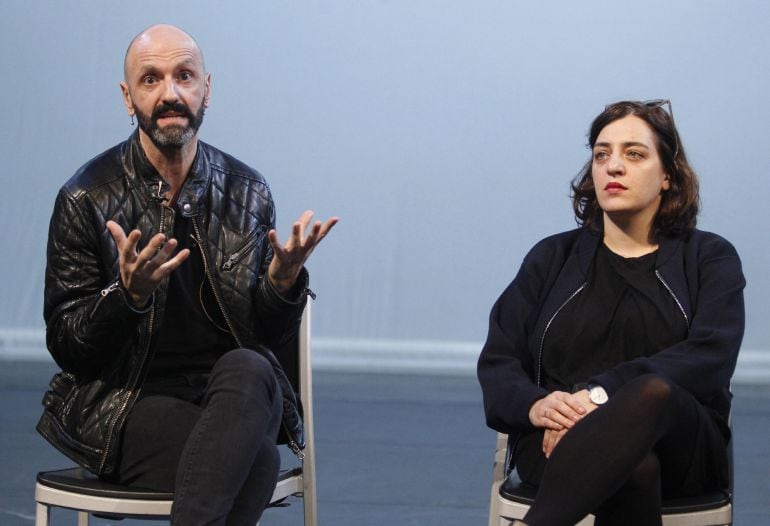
x=82, y=518
x=41, y=514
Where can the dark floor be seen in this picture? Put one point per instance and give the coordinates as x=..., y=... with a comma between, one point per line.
x=392, y=450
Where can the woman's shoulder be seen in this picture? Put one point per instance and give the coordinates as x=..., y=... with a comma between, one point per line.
x=708, y=243
x=563, y=243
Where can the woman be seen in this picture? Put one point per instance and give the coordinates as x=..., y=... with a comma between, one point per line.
x=609, y=356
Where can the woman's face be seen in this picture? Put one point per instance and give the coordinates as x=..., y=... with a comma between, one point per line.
x=627, y=172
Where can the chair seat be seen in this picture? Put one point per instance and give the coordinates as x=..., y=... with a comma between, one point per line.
x=517, y=491
x=83, y=482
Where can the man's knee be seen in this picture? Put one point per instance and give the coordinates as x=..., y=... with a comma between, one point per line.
x=245, y=367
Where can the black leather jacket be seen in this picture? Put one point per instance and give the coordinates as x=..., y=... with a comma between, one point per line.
x=99, y=341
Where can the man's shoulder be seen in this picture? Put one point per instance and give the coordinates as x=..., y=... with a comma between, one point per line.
x=229, y=165
x=98, y=171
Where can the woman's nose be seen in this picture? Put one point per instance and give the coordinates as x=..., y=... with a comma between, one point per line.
x=615, y=166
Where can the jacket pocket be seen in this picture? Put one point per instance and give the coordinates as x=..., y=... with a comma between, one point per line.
x=235, y=257
x=61, y=386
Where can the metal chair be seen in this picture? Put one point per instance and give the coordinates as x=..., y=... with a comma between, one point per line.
x=78, y=489
x=510, y=498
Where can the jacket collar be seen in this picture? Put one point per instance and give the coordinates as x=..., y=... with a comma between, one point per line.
x=669, y=262
x=150, y=180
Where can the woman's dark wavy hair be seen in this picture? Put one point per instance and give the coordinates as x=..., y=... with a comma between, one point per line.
x=679, y=204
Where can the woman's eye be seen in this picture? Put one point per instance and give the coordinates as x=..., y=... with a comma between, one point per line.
x=635, y=155
x=600, y=156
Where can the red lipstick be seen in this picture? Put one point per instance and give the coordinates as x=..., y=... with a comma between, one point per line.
x=614, y=187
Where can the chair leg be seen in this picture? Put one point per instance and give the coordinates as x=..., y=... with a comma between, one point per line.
x=309, y=502
x=41, y=514
x=494, y=507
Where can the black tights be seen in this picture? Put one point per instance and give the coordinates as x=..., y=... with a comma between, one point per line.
x=651, y=439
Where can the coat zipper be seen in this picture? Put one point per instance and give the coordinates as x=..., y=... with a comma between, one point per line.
x=209, y=275
x=547, y=326
x=678, y=303
x=135, y=380
x=238, y=255
x=292, y=443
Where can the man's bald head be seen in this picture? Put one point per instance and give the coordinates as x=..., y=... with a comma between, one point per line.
x=155, y=37
x=166, y=86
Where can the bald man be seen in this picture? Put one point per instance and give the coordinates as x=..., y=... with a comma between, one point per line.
x=166, y=286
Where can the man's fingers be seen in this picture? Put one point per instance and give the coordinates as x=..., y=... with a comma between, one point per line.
x=170, y=265
x=117, y=233
x=324, y=228
x=157, y=250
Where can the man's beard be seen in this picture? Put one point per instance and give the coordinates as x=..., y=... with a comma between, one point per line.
x=173, y=136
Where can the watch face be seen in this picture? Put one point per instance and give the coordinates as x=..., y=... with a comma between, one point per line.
x=598, y=395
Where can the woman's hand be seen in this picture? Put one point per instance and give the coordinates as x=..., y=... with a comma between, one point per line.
x=558, y=413
x=559, y=410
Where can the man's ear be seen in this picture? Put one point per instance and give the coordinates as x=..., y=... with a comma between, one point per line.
x=207, y=90
x=127, y=99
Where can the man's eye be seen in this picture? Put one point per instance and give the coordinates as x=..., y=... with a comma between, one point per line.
x=185, y=75
x=149, y=79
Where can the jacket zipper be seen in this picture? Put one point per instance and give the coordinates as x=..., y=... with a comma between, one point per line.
x=547, y=326
x=209, y=275
x=678, y=303
x=238, y=255
x=292, y=443
x=134, y=382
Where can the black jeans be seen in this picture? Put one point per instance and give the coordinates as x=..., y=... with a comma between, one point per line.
x=210, y=439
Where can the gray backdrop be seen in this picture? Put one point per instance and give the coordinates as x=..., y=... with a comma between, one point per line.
x=443, y=133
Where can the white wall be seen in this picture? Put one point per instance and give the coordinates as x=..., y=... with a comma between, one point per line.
x=444, y=133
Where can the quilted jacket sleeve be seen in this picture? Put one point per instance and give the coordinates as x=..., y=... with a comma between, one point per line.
x=87, y=321
x=278, y=316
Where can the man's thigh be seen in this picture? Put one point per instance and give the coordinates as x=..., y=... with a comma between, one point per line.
x=155, y=434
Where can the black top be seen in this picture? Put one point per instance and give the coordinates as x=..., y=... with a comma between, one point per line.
x=193, y=334
x=623, y=312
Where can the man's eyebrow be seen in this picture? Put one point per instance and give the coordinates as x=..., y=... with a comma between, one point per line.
x=150, y=67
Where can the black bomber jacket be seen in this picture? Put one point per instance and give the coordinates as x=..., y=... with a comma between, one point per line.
x=103, y=345
x=701, y=271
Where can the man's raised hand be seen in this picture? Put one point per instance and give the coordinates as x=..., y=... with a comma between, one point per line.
x=141, y=272
x=289, y=259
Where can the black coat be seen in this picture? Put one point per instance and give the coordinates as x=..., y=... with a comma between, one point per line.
x=701, y=270
x=99, y=341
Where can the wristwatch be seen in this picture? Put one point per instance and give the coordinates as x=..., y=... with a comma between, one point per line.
x=597, y=394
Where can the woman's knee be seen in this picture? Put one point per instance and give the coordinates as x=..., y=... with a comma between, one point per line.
x=653, y=390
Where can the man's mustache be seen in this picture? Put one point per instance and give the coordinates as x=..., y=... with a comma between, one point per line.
x=176, y=107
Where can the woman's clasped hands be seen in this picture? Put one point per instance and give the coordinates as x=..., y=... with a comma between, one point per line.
x=557, y=413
